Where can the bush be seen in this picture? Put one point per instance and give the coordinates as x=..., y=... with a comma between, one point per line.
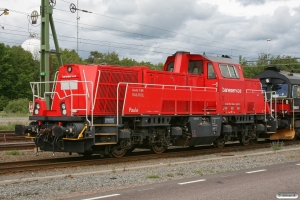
x=276, y=145
x=3, y=102
x=17, y=106
x=153, y=176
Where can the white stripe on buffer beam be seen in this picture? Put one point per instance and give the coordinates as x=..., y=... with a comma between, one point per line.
x=262, y=170
x=191, y=182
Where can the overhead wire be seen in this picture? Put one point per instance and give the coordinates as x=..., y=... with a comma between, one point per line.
x=239, y=48
x=143, y=35
x=148, y=36
x=109, y=44
x=157, y=28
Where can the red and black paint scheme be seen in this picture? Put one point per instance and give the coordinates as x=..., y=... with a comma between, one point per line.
x=282, y=90
x=195, y=100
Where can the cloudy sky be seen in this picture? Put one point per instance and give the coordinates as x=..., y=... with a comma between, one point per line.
x=150, y=30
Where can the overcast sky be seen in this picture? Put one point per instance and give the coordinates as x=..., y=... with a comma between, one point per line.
x=150, y=30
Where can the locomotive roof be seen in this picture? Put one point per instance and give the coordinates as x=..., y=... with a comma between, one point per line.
x=289, y=77
x=221, y=59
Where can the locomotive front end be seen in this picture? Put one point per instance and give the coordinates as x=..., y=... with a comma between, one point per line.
x=61, y=118
x=283, y=102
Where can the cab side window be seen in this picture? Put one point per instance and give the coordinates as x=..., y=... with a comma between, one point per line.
x=195, y=67
x=296, y=91
x=229, y=71
x=210, y=71
x=170, y=67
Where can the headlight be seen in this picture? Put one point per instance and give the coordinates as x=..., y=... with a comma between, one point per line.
x=64, y=112
x=36, y=111
x=37, y=106
x=69, y=69
x=63, y=108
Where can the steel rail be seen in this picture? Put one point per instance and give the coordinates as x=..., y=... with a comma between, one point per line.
x=48, y=164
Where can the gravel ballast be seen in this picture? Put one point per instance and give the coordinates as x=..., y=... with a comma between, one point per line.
x=90, y=179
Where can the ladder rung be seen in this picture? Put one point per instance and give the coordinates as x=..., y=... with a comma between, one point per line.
x=104, y=143
x=74, y=139
x=105, y=124
x=105, y=134
x=29, y=137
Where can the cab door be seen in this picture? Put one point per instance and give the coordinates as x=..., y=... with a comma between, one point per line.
x=211, y=79
x=212, y=84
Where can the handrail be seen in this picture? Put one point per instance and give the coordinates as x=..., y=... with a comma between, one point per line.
x=54, y=86
x=98, y=82
x=271, y=103
x=145, y=85
x=88, y=96
x=71, y=95
x=293, y=110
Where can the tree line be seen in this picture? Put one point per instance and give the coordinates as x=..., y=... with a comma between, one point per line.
x=18, y=68
x=286, y=63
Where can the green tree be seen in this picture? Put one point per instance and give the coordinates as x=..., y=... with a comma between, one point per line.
x=25, y=70
x=17, y=69
x=6, y=70
x=128, y=62
x=17, y=106
x=287, y=63
x=96, y=57
x=68, y=57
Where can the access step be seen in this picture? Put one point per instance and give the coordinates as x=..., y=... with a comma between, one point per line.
x=105, y=134
x=104, y=143
x=110, y=125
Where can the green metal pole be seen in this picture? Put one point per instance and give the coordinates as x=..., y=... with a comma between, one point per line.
x=55, y=41
x=45, y=11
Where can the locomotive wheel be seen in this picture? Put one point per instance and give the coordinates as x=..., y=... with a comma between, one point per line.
x=219, y=143
x=158, y=149
x=245, y=141
x=118, y=153
x=254, y=141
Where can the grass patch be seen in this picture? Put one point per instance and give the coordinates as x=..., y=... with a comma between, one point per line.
x=153, y=176
x=170, y=175
x=14, y=152
x=10, y=125
x=199, y=172
x=276, y=145
x=114, y=170
x=5, y=114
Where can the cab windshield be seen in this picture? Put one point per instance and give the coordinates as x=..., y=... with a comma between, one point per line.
x=280, y=89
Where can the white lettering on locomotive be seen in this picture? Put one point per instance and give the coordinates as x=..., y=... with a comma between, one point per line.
x=133, y=109
x=231, y=90
x=69, y=76
x=138, y=92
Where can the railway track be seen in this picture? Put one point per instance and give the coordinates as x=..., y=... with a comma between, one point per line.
x=10, y=136
x=48, y=164
x=16, y=146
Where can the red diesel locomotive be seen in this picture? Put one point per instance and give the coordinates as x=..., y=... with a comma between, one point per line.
x=194, y=100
